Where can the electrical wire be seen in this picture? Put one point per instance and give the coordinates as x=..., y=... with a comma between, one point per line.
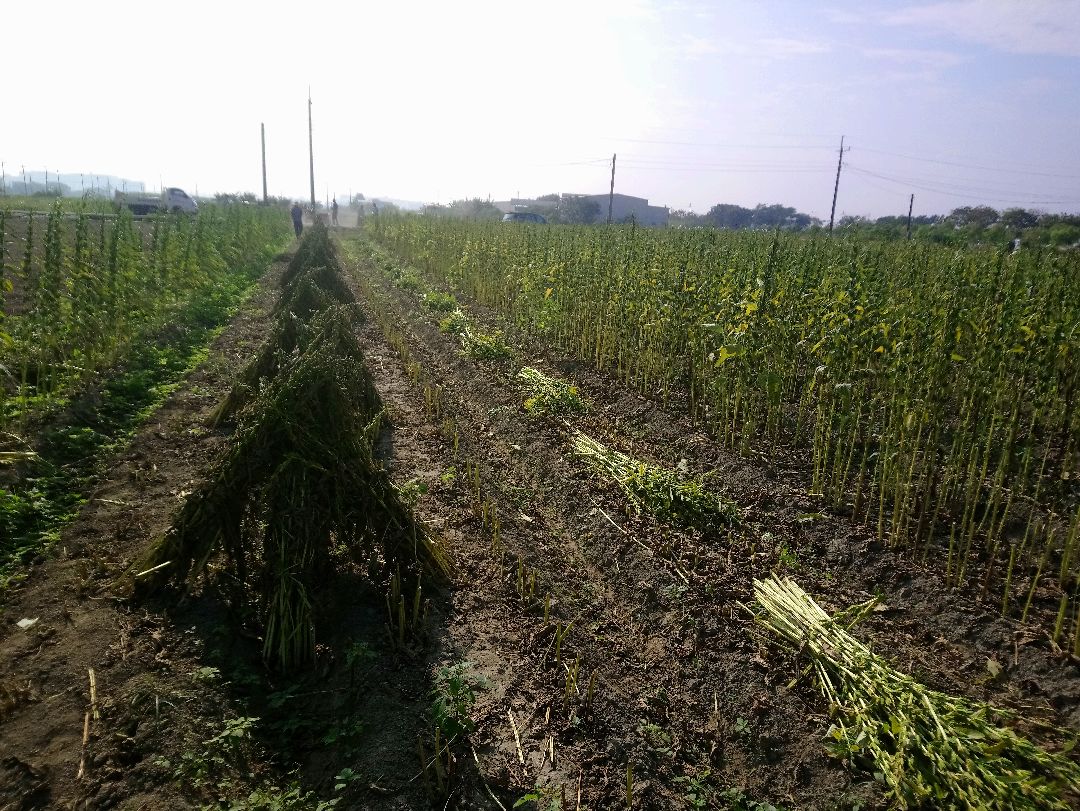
x=1000, y=169
x=721, y=145
x=945, y=187
x=959, y=192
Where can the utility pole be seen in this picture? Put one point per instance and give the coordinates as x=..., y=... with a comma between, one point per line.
x=611, y=192
x=910, y=206
x=262, y=130
x=836, y=188
x=311, y=149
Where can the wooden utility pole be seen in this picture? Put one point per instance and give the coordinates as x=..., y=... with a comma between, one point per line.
x=611, y=192
x=836, y=187
x=262, y=130
x=910, y=206
x=311, y=150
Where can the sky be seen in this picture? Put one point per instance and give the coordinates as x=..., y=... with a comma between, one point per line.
x=959, y=102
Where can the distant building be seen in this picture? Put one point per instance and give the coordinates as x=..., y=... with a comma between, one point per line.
x=624, y=208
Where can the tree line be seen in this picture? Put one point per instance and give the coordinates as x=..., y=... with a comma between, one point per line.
x=963, y=225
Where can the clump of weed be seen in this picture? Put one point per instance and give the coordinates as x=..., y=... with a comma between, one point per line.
x=440, y=302
x=407, y=278
x=486, y=346
x=457, y=323
x=453, y=698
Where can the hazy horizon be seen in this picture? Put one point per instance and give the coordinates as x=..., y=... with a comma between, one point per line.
x=961, y=102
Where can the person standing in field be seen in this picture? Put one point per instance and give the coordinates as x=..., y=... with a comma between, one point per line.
x=333, y=212
x=297, y=219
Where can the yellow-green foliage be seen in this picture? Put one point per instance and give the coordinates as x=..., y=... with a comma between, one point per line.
x=932, y=750
x=933, y=390
x=549, y=395
x=662, y=492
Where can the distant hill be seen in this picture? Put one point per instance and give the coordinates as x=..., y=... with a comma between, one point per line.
x=71, y=185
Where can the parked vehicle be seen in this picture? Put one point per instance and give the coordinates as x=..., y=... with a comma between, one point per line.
x=171, y=199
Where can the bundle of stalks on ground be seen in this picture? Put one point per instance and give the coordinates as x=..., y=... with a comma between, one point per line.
x=316, y=249
x=333, y=328
x=549, y=395
x=931, y=750
x=314, y=289
x=300, y=490
x=662, y=492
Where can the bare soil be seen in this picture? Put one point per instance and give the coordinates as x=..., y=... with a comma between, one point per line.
x=686, y=693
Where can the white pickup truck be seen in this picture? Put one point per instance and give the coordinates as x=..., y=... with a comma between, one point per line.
x=171, y=199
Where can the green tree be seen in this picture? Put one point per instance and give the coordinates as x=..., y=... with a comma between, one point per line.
x=574, y=209
x=728, y=215
x=1018, y=219
x=975, y=217
x=474, y=209
x=1064, y=234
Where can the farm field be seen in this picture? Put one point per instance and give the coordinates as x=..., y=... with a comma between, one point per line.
x=556, y=505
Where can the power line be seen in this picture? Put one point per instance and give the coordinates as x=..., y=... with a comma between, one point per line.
x=1000, y=169
x=674, y=161
x=947, y=183
x=725, y=170
x=720, y=145
x=961, y=192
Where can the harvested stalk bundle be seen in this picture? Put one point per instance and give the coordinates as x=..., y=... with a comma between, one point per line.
x=932, y=750
x=549, y=395
x=316, y=249
x=333, y=328
x=313, y=289
x=664, y=493
x=300, y=482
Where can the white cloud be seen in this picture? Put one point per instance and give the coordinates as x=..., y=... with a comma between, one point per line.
x=694, y=47
x=1037, y=86
x=844, y=16
x=933, y=59
x=1029, y=27
x=783, y=47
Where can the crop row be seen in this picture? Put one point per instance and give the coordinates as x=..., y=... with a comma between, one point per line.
x=933, y=391
x=928, y=748
x=75, y=294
